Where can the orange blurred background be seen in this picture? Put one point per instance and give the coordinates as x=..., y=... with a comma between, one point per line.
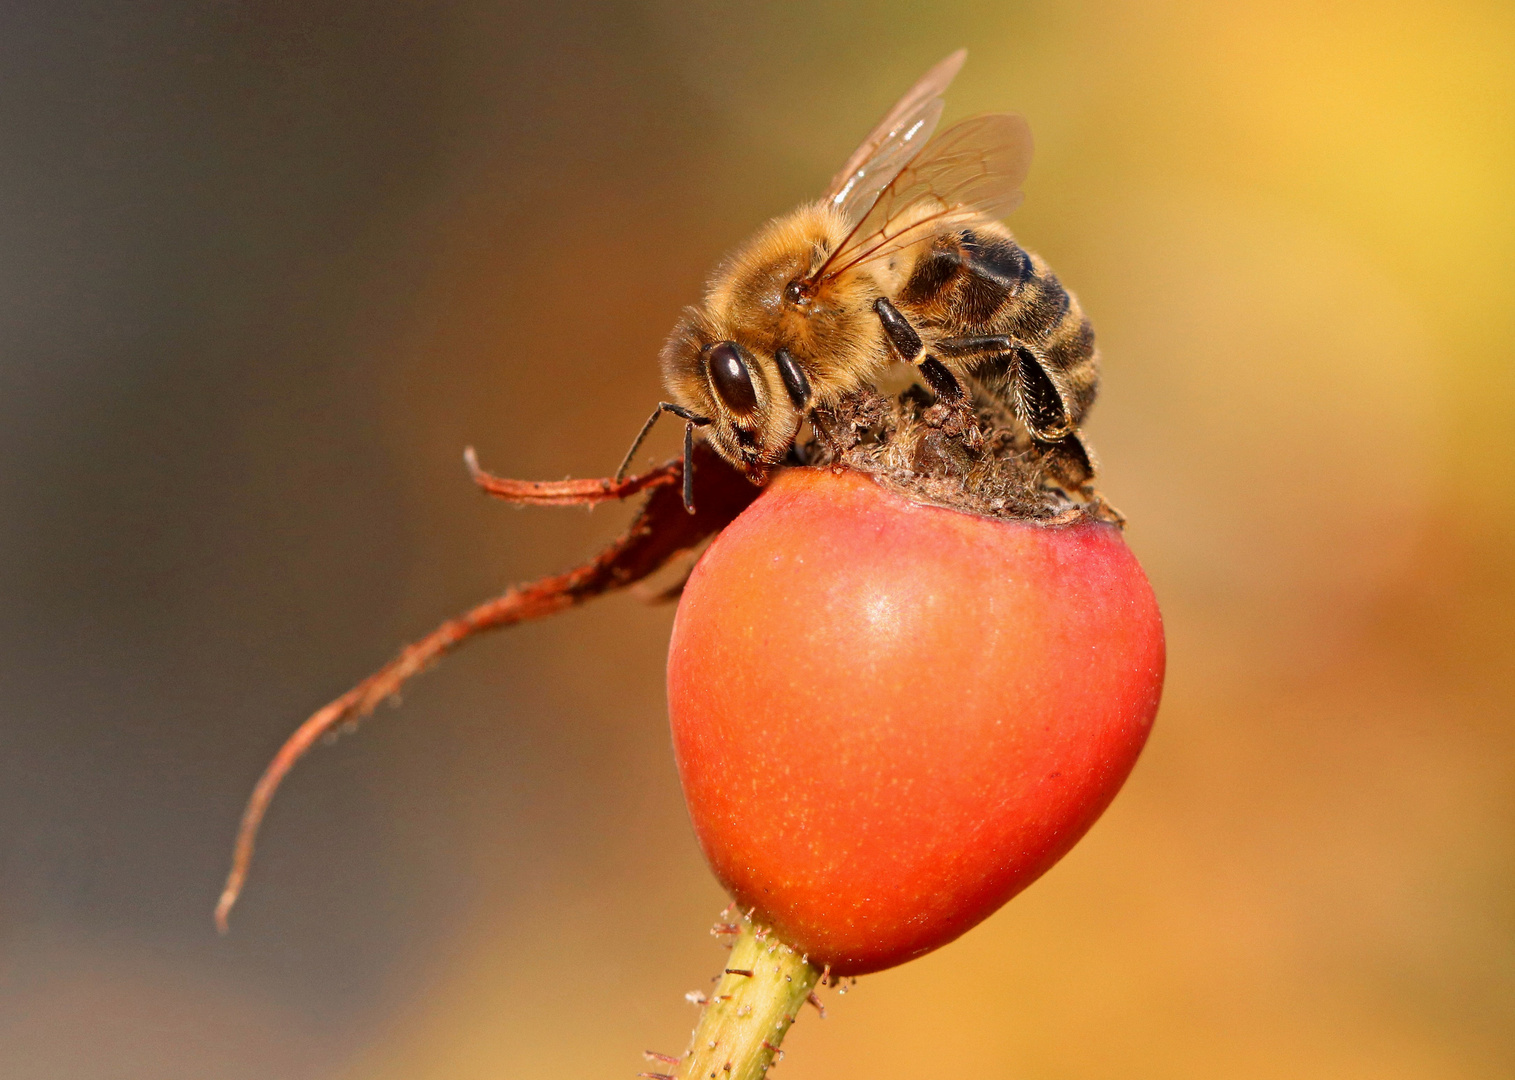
x=268, y=268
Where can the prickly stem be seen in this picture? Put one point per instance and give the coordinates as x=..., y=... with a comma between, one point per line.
x=744, y=1022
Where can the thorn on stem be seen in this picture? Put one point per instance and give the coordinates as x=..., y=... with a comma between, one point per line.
x=666, y=1059
x=739, y=971
x=812, y=999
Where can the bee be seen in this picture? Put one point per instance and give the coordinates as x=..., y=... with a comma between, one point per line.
x=903, y=260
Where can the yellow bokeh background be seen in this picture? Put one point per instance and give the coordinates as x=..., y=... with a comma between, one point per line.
x=348, y=240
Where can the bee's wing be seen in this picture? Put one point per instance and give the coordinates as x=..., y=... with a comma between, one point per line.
x=972, y=169
x=898, y=137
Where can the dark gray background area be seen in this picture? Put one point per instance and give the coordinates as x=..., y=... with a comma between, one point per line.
x=265, y=270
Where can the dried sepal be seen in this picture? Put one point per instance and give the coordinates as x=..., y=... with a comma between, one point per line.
x=660, y=531
x=979, y=460
x=569, y=492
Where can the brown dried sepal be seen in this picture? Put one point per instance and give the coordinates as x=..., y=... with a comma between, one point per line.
x=976, y=460
x=661, y=530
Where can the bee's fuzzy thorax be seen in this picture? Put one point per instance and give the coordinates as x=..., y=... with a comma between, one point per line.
x=794, y=244
x=835, y=335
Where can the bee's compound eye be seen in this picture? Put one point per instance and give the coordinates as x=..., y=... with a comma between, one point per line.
x=730, y=377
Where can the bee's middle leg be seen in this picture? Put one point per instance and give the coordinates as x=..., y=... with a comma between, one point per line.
x=953, y=412
x=907, y=343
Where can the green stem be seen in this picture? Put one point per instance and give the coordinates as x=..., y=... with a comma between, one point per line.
x=759, y=994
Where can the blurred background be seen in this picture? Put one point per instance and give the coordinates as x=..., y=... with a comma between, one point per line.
x=266, y=268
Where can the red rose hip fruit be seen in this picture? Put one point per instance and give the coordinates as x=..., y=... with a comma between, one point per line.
x=889, y=718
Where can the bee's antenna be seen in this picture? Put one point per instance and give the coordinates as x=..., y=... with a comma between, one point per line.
x=636, y=444
x=689, y=467
x=693, y=421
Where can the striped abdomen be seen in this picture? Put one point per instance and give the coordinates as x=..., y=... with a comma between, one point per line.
x=993, y=311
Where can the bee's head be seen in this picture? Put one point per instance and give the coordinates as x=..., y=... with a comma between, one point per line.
x=760, y=350
x=749, y=396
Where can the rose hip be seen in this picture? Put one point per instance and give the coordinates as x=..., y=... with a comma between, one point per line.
x=889, y=718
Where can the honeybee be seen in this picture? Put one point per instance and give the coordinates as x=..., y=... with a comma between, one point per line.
x=903, y=260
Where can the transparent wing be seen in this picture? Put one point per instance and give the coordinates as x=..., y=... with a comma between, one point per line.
x=972, y=169
x=898, y=137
